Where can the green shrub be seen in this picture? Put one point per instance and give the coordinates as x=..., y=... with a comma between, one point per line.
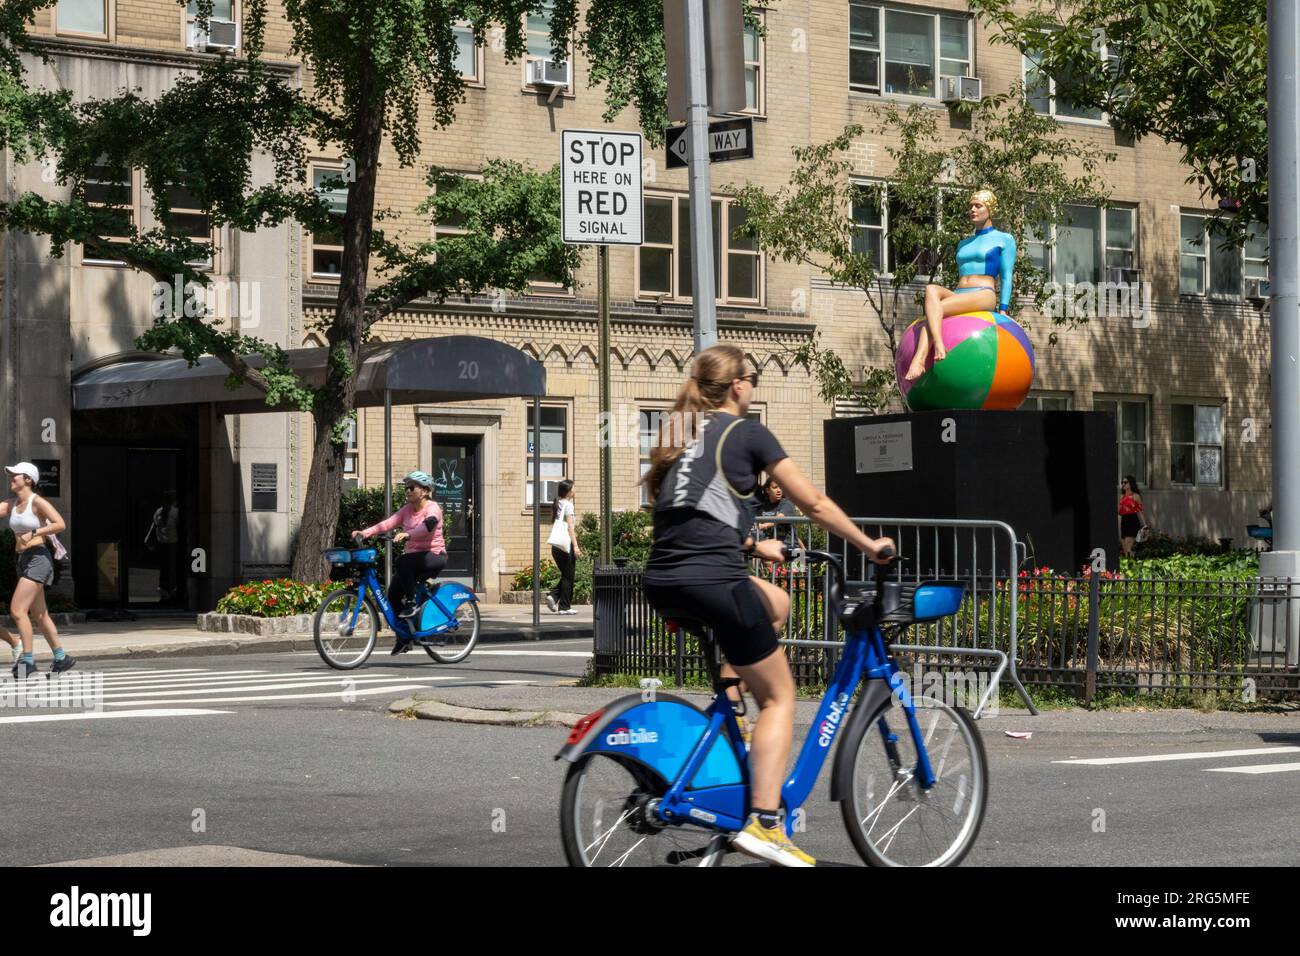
x=632, y=533
x=362, y=507
x=279, y=598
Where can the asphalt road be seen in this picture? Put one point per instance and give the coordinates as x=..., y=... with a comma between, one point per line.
x=279, y=761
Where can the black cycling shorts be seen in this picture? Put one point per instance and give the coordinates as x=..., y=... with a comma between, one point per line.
x=735, y=612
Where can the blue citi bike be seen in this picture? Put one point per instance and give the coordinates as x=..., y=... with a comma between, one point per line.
x=346, y=625
x=659, y=782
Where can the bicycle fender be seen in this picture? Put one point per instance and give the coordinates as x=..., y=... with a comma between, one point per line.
x=659, y=734
x=873, y=694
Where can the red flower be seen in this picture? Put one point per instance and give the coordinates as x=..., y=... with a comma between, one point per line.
x=271, y=601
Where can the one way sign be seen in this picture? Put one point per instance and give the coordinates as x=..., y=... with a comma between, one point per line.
x=728, y=139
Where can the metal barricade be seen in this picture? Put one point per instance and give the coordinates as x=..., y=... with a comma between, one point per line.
x=984, y=555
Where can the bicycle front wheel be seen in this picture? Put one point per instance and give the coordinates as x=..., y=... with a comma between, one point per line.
x=453, y=645
x=607, y=818
x=342, y=643
x=891, y=819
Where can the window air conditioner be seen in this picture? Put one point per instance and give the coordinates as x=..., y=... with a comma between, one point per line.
x=218, y=35
x=960, y=89
x=548, y=73
x=1257, y=289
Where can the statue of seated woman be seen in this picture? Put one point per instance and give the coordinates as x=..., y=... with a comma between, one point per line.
x=981, y=258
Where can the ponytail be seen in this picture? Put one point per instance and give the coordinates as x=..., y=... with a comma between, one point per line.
x=712, y=374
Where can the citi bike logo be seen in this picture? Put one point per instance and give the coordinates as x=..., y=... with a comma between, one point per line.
x=623, y=736
x=826, y=732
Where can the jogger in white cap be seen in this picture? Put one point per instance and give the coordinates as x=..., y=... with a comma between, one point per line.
x=32, y=520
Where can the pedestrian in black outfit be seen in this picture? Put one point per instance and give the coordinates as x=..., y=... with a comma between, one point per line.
x=565, y=550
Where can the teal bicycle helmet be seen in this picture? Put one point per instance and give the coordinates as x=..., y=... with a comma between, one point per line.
x=420, y=478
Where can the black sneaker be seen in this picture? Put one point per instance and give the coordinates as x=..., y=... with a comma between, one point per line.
x=67, y=664
x=409, y=612
x=400, y=646
x=22, y=670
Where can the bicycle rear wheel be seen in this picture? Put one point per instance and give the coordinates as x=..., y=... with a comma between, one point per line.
x=340, y=643
x=891, y=819
x=607, y=819
x=454, y=645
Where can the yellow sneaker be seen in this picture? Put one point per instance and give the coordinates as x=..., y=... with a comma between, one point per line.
x=772, y=845
x=746, y=731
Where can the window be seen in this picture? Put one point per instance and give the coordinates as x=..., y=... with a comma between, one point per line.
x=753, y=71
x=1096, y=240
x=554, y=453
x=650, y=421
x=1049, y=401
x=82, y=17
x=872, y=224
x=469, y=55
x=222, y=31
x=903, y=52
x=1204, y=264
x=327, y=242
x=111, y=188
x=537, y=37
x=1196, y=445
x=188, y=219
x=1041, y=92
x=1132, y=435
x=664, y=261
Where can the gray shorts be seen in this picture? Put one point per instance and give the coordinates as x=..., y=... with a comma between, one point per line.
x=36, y=564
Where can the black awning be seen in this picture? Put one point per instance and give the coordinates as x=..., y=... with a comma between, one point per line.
x=452, y=368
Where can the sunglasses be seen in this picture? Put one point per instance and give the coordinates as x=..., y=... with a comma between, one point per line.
x=751, y=378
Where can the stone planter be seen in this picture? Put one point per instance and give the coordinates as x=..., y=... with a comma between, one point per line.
x=526, y=597
x=295, y=625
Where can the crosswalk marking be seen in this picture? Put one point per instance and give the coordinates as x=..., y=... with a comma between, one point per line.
x=478, y=653
x=1202, y=755
x=343, y=683
x=251, y=679
x=104, y=714
x=336, y=694
x=1259, y=768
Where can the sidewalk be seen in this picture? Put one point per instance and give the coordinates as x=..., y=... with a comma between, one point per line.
x=180, y=637
x=566, y=700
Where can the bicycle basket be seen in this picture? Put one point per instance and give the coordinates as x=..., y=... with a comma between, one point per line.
x=365, y=556
x=338, y=556
x=936, y=599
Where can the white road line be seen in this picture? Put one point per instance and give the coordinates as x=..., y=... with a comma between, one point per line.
x=533, y=653
x=341, y=682
x=218, y=681
x=336, y=694
x=1261, y=768
x=104, y=714
x=186, y=679
x=1203, y=755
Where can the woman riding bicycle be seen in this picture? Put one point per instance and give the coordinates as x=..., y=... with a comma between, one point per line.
x=425, y=554
x=703, y=478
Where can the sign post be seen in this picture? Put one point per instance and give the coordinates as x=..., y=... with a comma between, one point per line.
x=600, y=175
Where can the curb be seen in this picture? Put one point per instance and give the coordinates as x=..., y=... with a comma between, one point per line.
x=282, y=645
x=437, y=710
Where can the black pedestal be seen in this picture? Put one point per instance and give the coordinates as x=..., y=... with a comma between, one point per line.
x=1050, y=475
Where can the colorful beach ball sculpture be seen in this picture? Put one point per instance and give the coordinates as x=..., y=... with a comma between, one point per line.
x=990, y=364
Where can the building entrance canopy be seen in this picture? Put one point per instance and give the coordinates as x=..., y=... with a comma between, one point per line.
x=451, y=368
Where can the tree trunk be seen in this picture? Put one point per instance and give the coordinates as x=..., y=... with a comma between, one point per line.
x=338, y=395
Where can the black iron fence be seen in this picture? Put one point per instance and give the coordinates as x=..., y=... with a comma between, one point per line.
x=1087, y=633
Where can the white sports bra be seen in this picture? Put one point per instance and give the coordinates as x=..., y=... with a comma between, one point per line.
x=27, y=520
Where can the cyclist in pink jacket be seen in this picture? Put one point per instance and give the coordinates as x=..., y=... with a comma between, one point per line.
x=425, y=555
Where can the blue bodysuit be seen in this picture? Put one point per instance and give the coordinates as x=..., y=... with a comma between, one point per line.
x=988, y=253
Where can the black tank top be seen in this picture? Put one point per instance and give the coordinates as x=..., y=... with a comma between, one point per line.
x=707, y=500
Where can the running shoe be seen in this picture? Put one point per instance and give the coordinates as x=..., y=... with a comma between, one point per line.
x=771, y=845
